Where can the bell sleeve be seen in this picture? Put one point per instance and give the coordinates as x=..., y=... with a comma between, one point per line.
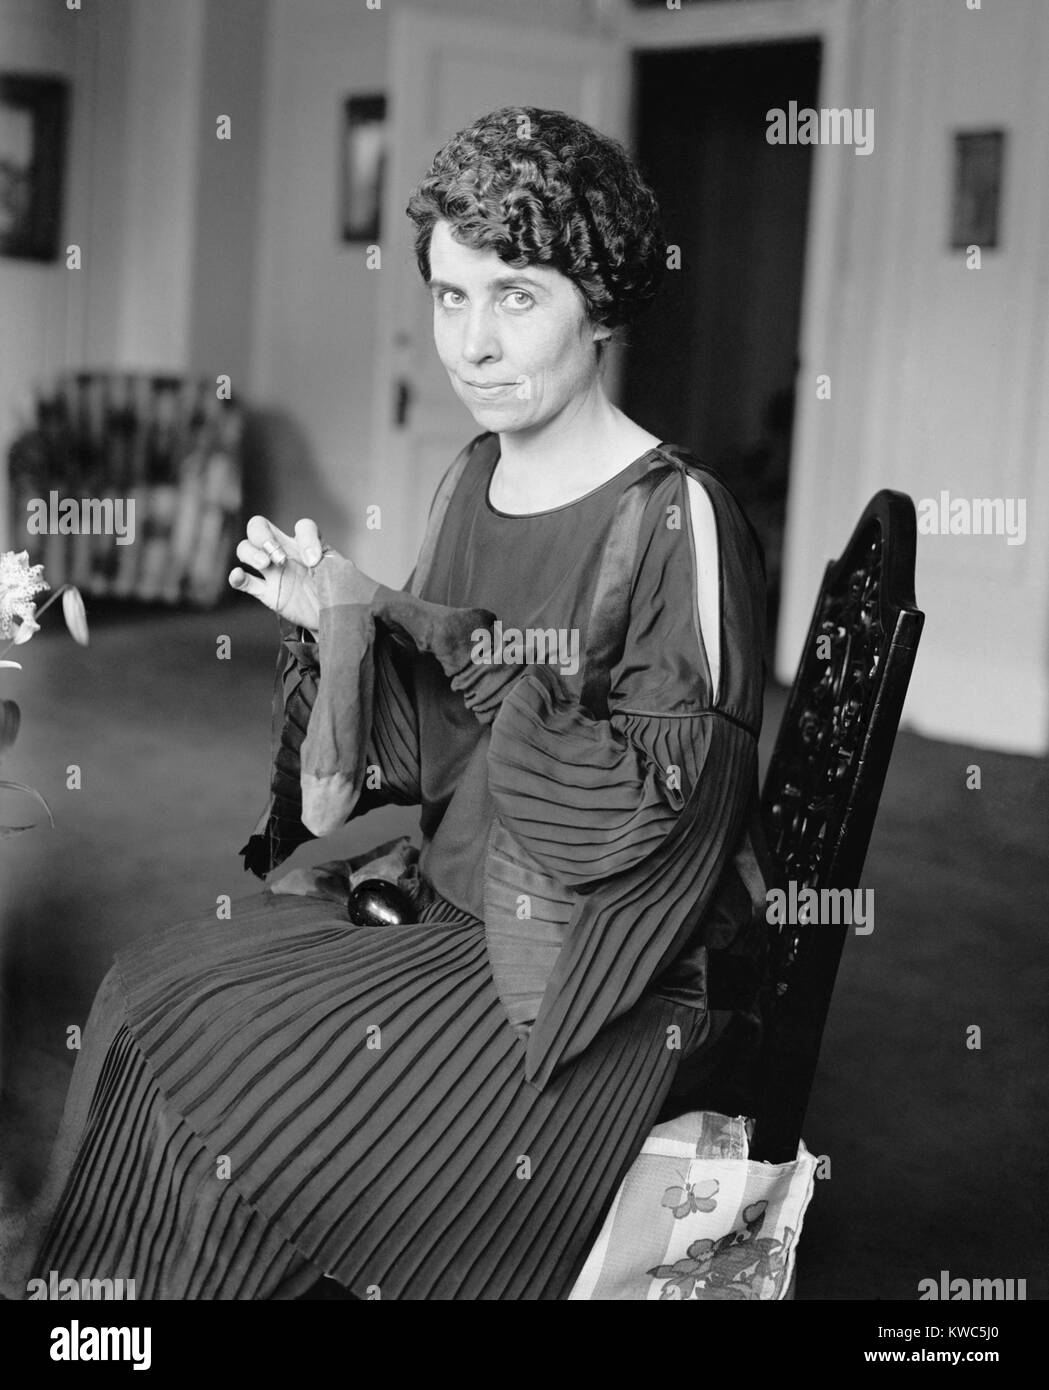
x=639, y=815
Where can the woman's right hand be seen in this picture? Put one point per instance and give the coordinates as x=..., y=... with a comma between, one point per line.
x=285, y=563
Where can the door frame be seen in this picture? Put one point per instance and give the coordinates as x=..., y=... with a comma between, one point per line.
x=725, y=23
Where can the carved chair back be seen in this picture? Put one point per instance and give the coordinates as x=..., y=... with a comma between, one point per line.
x=821, y=793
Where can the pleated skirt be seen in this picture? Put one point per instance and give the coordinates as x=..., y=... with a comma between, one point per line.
x=263, y=1101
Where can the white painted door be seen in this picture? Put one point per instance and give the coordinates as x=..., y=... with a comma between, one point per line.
x=445, y=71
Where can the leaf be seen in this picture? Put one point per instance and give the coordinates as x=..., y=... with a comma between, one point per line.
x=733, y=1238
x=14, y=665
x=6, y=830
x=753, y=1227
x=10, y=719
x=31, y=791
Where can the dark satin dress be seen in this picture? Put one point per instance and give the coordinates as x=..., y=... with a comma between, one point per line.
x=445, y=1109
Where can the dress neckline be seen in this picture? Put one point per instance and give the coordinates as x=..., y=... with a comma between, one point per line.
x=552, y=511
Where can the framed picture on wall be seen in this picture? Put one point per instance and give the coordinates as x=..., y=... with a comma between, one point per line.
x=363, y=167
x=33, y=116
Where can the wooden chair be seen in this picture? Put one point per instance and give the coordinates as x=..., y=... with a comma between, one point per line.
x=821, y=792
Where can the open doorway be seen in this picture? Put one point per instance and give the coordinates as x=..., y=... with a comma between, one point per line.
x=713, y=366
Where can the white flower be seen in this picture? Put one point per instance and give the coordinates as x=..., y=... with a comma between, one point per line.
x=19, y=582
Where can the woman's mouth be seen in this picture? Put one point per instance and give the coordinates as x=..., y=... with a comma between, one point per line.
x=488, y=390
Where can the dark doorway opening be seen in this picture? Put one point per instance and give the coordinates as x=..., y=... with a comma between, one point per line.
x=713, y=366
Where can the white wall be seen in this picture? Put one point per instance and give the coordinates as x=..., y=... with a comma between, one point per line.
x=938, y=372
x=166, y=57
x=226, y=231
x=316, y=302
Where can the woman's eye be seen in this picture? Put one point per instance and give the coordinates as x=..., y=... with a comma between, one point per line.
x=519, y=299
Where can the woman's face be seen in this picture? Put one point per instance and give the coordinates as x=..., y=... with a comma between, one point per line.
x=516, y=344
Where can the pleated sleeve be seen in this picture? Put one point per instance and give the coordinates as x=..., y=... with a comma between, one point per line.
x=639, y=811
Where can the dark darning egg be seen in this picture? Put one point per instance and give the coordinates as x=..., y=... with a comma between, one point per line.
x=377, y=903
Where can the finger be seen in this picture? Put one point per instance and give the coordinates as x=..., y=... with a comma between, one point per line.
x=259, y=529
x=251, y=555
x=269, y=540
x=248, y=584
x=308, y=539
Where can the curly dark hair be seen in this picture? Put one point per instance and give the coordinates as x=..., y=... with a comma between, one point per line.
x=542, y=188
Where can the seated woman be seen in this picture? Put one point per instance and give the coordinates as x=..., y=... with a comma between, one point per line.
x=571, y=689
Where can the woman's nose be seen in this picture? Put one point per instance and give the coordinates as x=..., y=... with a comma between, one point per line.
x=481, y=338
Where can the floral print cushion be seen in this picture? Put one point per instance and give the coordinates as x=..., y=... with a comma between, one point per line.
x=695, y=1218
